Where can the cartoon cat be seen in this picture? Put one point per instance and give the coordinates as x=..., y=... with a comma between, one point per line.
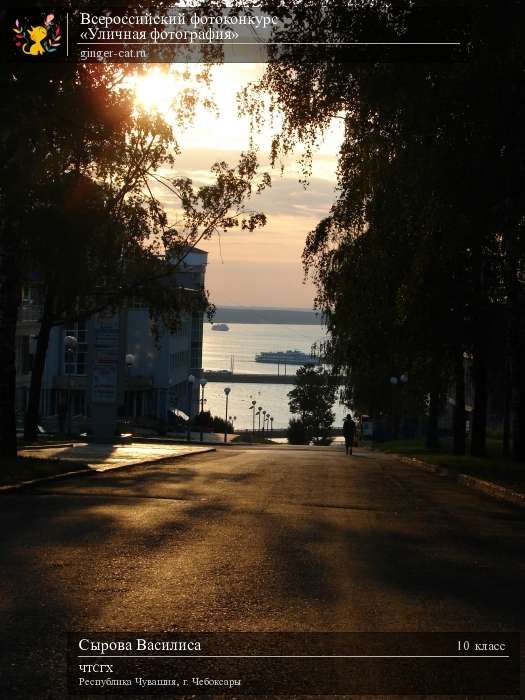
x=37, y=34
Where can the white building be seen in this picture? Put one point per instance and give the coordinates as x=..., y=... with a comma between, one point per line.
x=156, y=372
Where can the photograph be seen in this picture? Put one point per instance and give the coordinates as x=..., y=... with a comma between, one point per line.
x=262, y=349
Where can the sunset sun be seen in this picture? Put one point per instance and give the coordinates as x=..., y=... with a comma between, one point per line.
x=156, y=90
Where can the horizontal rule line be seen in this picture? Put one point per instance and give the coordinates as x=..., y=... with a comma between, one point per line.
x=270, y=43
x=283, y=656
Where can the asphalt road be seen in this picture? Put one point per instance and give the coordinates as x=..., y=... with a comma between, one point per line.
x=250, y=539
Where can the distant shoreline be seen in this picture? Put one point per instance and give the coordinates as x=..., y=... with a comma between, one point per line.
x=239, y=314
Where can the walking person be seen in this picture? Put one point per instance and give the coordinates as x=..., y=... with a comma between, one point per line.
x=349, y=433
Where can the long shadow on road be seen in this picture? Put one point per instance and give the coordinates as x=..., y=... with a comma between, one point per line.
x=66, y=550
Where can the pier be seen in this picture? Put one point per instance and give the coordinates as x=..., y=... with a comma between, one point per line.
x=238, y=378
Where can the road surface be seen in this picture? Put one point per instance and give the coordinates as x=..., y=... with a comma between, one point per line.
x=253, y=539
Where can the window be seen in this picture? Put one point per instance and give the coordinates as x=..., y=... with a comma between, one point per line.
x=177, y=359
x=27, y=294
x=75, y=359
x=31, y=304
x=182, y=329
x=195, y=358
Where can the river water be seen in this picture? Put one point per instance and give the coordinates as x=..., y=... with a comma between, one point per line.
x=239, y=346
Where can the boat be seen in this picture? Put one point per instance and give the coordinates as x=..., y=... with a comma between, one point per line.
x=288, y=357
x=220, y=327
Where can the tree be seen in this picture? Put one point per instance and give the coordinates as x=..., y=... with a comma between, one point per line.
x=56, y=118
x=430, y=173
x=312, y=398
x=92, y=217
x=62, y=118
x=131, y=255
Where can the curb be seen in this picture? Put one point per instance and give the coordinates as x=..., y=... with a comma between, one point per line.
x=489, y=488
x=425, y=466
x=88, y=470
x=54, y=477
x=181, y=441
x=45, y=447
x=500, y=492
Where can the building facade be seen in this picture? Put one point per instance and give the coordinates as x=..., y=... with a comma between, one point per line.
x=156, y=366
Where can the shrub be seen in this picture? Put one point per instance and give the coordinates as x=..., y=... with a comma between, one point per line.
x=297, y=433
x=211, y=424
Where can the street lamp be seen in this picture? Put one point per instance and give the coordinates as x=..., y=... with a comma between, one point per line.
x=252, y=408
x=70, y=345
x=203, y=384
x=395, y=381
x=130, y=361
x=191, y=382
x=227, y=392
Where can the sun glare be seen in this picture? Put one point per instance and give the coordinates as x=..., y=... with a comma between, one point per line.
x=155, y=91
x=162, y=90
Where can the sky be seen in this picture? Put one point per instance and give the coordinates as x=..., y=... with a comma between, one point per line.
x=262, y=268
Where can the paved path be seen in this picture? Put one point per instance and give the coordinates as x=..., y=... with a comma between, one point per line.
x=104, y=457
x=260, y=539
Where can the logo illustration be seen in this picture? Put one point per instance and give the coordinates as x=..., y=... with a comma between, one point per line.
x=36, y=41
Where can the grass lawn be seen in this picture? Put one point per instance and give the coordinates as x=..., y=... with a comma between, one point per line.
x=13, y=471
x=493, y=467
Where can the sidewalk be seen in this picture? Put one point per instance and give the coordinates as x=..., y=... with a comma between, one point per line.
x=103, y=457
x=502, y=492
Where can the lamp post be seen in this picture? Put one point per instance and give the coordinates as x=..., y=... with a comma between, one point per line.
x=70, y=345
x=227, y=392
x=203, y=384
x=252, y=409
x=130, y=361
x=191, y=382
x=395, y=381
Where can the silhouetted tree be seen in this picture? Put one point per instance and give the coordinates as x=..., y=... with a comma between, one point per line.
x=312, y=398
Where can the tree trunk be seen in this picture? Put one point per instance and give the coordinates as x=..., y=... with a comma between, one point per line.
x=459, y=409
x=37, y=372
x=9, y=301
x=507, y=404
x=432, y=440
x=516, y=304
x=518, y=380
x=478, y=445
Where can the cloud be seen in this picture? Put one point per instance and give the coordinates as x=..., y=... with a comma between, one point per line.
x=263, y=267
